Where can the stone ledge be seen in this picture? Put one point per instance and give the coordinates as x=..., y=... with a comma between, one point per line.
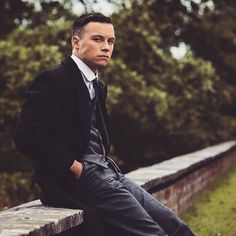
x=161, y=175
x=33, y=218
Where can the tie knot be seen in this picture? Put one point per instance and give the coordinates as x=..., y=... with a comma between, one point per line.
x=95, y=84
x=95, y=81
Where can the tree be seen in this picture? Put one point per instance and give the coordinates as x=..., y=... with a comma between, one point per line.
x=208, y=28
x=12, y=15
x=162, y=107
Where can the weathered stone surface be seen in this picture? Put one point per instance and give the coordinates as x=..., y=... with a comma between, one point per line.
x=38, y=220
x=176, y=167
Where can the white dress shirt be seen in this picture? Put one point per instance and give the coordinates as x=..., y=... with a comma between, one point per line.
x=87, y=74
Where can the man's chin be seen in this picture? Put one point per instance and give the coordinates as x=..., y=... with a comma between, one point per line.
x=101, y=65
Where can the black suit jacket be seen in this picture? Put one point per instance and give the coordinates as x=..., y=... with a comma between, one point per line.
x=54, y=126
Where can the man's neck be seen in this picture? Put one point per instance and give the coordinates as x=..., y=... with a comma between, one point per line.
x=94, y=71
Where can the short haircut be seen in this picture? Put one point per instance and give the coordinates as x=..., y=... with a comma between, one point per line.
x=86, y=18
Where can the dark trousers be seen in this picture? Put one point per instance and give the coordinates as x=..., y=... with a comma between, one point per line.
x=123, y=207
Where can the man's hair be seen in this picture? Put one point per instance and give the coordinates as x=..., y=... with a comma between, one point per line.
x=86, y=18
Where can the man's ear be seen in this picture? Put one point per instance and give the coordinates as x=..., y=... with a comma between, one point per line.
x=75, y=41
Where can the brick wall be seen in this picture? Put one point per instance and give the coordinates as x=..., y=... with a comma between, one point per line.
x=183, y=177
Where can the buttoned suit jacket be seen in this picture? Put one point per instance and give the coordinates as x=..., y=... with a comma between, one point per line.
x=54, y=125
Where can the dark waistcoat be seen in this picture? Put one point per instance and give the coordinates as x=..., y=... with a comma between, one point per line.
x=95, y=139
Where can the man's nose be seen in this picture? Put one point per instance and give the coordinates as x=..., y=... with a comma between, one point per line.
x=105, y=46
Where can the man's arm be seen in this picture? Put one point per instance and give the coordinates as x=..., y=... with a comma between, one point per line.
x=33, y=134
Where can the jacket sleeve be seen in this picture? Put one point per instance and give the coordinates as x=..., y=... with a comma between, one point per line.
x=33, y=135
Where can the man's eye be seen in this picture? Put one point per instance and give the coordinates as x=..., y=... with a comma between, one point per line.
x=111, y=42
x=97, y=39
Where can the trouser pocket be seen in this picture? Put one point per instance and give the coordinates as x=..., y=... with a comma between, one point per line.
x=115, y=166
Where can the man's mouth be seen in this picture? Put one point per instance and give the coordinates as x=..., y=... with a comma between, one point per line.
x=103, y=56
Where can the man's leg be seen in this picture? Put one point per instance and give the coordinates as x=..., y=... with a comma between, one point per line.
x=60, y=195
x=167, y=219
x=100, y=189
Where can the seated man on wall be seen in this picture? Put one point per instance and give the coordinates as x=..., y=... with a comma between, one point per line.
x=64, y=129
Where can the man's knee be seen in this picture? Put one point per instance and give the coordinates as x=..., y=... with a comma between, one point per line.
x=178, y=227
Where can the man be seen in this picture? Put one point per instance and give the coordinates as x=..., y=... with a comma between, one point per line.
x=64, y=128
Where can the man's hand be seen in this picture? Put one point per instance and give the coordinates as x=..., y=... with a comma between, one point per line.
x=77, y=169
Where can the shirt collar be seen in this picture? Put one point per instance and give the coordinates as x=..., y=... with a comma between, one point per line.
x=87, y=72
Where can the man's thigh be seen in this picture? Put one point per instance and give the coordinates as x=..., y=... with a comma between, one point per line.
x=100, y=188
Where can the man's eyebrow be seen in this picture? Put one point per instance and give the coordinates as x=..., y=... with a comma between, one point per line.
x=101, y=36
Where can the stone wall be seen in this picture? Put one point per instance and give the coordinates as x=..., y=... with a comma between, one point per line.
x=176, y=182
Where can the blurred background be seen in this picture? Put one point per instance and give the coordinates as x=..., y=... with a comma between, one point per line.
x=171, y=80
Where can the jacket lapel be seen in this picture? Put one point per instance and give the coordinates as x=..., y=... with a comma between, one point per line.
x=81, y=93
x=82, y=97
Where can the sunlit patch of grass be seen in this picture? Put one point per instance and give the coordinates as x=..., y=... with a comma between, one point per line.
x=214, y=211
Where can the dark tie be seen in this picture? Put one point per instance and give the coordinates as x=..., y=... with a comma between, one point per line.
x=103, y=126
x=95, y=86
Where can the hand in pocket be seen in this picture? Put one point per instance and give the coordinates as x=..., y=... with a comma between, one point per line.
x=77, y=169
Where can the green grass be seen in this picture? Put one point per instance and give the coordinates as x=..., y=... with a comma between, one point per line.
x=214, y=211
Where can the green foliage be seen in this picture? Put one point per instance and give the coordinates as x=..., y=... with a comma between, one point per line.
x=15, y=189
x=214, y=212
x=167, y=106
x=165, y=112
x=208, y=28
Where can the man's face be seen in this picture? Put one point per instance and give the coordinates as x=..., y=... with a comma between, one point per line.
x=95, y=44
